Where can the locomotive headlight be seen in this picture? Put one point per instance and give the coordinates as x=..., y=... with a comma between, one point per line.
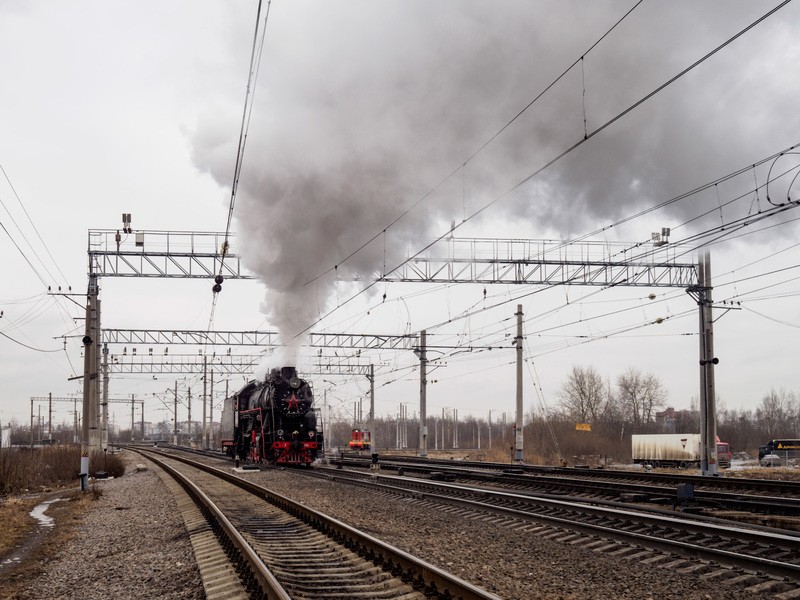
x=311, y=434
x=295, y=382
x=280, y=432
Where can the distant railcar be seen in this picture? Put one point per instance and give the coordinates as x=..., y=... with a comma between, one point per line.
x=360, y=439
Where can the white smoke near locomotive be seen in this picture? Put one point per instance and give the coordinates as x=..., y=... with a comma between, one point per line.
x=273, y=421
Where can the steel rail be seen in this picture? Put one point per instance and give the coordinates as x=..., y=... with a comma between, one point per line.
x=756, y=504
x=790, y=487
x=754, y=535
x=436, y=581
x=266, y=580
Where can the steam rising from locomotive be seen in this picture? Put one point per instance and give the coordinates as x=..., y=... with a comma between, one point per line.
x=273, y=421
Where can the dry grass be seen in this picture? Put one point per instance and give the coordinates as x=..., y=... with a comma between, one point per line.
x=782, y=473
x=68, y=517
x=40, y=469
x=16, y=521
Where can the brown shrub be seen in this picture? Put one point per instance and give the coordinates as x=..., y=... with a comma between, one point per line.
x=105, y=461
x=12, y=472
x=37, y=468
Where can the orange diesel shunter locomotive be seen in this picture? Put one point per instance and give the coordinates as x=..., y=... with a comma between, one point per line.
x=360, y=439
x=274, y=421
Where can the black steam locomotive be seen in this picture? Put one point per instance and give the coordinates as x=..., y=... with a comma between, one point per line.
x=273, y=421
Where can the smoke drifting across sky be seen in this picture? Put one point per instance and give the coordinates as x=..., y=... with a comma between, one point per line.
x=362, y=108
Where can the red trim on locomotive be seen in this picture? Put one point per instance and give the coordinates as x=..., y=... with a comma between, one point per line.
x=286, y=455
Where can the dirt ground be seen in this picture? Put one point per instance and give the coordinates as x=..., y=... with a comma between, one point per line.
x=19, y=525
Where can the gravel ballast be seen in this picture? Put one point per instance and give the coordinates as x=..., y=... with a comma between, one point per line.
x=515, y=565
x=131, y=543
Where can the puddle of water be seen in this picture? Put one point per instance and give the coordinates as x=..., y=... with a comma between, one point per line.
x=38, y=513
x=34, y=539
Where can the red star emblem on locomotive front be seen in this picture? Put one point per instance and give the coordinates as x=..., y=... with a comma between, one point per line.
x=293, y=402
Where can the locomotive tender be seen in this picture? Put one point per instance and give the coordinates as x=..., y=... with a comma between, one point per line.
x=273, y=421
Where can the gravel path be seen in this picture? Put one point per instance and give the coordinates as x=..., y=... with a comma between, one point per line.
x=132, y=544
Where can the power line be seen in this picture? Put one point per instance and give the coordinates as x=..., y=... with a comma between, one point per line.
x=479, y=150
x=255, y=63
x=22, y=206
x=26, y=345
x=27, y=260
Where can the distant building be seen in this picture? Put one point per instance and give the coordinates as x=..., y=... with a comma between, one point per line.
x=676, y=421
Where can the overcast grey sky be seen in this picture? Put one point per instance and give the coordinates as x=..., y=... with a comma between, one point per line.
x=361, y=110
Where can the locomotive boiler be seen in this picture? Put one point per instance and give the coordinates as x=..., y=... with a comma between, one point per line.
x=273, y=421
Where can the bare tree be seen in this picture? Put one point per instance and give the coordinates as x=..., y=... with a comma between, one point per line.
x=774, y=412
x=583, y=394
x=641, y=395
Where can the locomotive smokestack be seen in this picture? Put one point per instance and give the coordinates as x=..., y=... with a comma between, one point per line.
x=288, y=372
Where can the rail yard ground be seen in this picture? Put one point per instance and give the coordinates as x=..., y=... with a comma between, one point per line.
x=124, y=539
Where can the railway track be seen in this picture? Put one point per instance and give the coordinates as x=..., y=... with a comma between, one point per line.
x=250, y=542
x=783, y=489
x=760, y=559
x=707, y=496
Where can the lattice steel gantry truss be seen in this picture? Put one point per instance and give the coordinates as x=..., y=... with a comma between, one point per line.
x=197, y=255
x=226, y=364
x=547, y=262
x=260, y=339
x=181, y=254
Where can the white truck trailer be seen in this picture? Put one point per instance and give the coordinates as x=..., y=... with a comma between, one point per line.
x=666, y=449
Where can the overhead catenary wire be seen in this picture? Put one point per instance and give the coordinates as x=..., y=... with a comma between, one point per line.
x=252, y=78
x=475, y=153
x=605, y=335
x=5, y=335
x=475, y=342
x=24, y=256
x=723, y=230
x=63, y=312
x=475, y=345
x=35, y=229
